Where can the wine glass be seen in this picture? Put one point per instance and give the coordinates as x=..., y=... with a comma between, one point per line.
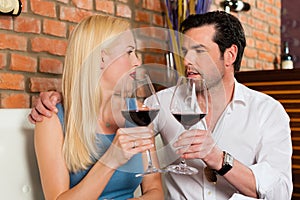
x=136, y=89
x=189, y=105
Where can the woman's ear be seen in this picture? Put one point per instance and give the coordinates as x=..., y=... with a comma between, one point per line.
x=104, y=59
x=230, y=55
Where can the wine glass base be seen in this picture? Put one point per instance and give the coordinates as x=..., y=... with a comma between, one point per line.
x=184, y=170
x=150, y=170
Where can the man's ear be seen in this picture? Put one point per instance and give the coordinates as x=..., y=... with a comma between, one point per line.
x=230, y=55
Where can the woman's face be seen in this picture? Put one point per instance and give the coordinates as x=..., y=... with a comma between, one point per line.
x=118, y=60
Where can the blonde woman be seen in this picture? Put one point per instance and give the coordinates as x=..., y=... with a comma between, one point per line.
x=81, y=151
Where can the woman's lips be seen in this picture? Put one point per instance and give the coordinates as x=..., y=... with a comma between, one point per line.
x=193, y=74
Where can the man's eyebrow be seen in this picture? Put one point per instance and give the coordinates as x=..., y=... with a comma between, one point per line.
x=198, y=46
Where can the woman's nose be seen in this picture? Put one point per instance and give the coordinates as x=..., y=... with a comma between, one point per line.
x=136, y=61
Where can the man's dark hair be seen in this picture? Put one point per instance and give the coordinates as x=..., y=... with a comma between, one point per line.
x=228, y=28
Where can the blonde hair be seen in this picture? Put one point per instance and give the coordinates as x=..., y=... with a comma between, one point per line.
x=81, y=88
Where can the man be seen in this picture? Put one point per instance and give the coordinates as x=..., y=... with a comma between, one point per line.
x=243, y=148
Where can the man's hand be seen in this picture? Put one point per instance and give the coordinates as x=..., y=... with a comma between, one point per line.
x=199, y=144
x=45, y=105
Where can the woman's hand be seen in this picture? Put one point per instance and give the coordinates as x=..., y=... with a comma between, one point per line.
x=127, y=142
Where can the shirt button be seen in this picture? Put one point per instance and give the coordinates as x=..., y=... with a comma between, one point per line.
x=209, y=192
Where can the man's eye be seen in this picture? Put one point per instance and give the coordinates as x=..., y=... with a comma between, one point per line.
x=200, y=51
x=129, y=52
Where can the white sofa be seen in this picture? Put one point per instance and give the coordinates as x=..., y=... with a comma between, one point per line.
x=19, y=179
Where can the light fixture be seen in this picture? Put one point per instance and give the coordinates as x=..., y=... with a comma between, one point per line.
x=235, y=6
x=10, y=7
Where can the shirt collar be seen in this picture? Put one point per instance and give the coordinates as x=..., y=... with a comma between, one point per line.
x=238, y=95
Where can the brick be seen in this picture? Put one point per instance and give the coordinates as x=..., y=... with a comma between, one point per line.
x=153, y=32
x=250, y=42
x=3, y=60
x=260, y=4
x=152, y=58
x=50, y=65
x=44, y=84
x=44, y=8
x=158, y=20
x=142, y=16
x=10, y=81
x=27, y=25
x=56, y=28
x=259, y=14
x=85, y=4
x=6, y=23
x=64, y=1
x=53, y=46
x=274, y=30
x=24, y=6
x=265, y=56
x=23, y=63
x=261, y=26
x=105, y=6
x=154, y=5
x=73, y=14
x=250, y=52
x=13, y=42
x=259, y=35
x=137, y=3
x=123, y=11
x=259, y=65
x=264, y=45
x=13, y=100
x=274, y=20
x=274, y=39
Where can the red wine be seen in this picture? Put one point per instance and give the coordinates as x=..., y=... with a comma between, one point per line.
x=140, y=117
x=188, y=120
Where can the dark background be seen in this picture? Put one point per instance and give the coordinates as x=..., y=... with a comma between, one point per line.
x=290, y=28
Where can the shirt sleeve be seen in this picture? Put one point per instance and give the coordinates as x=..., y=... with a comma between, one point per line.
x=273, y=170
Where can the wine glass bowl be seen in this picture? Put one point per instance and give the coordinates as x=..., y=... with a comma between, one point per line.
x=189, y=105
x=140, y=106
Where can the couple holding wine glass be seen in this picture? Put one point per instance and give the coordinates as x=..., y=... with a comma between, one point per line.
x=241, y=149
x=140, y=106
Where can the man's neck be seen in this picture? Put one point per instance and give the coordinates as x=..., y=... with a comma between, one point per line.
x=219, y=98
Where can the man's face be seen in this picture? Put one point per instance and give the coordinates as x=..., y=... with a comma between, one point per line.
x=202, y=55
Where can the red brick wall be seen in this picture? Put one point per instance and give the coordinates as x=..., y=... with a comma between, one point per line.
x=33, y=45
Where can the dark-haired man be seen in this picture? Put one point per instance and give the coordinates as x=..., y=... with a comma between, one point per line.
x=243, y=147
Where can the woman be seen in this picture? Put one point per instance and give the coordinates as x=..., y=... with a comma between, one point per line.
x=81, y=152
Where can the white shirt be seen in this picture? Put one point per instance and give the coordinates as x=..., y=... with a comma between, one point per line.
x=254, y=129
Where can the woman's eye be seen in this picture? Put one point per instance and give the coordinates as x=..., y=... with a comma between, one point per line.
x=130, y=51
x=184, y=52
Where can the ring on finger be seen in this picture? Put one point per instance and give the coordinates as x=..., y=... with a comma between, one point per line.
x=134, y=144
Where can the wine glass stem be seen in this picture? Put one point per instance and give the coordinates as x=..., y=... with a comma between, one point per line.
x=183, y=163
x=149, y=158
